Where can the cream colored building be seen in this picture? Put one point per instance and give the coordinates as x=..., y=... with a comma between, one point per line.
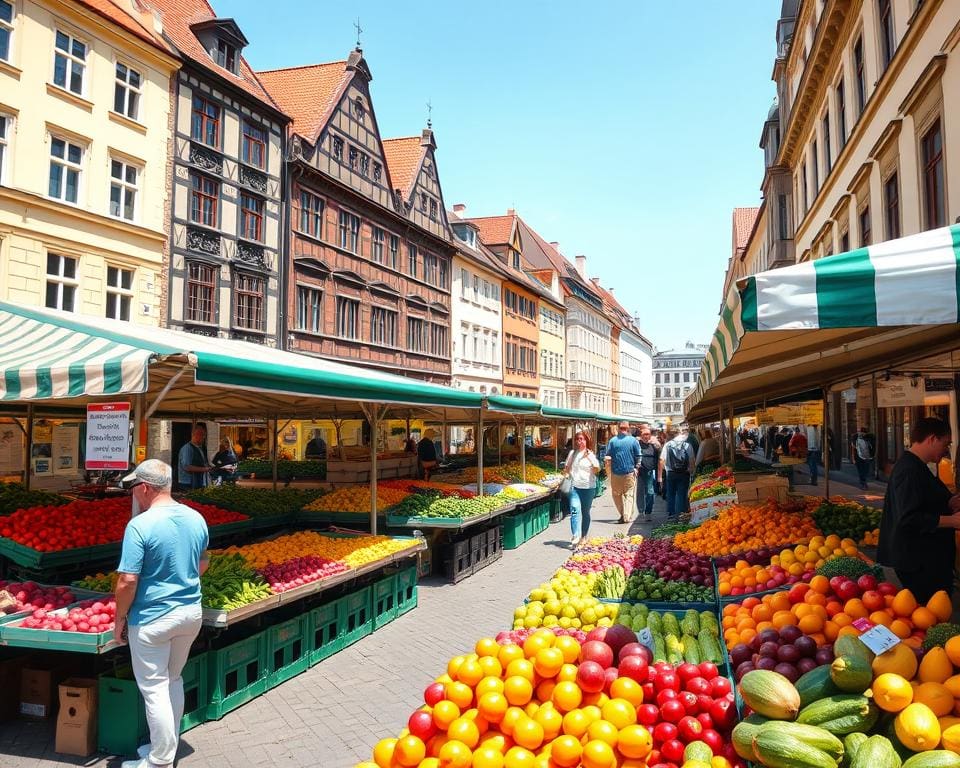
x=859, y=150
x=84, y=157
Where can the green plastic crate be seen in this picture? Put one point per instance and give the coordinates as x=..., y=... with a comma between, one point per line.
x=406, y=590
x=512, y=531
x=357, y=615
x=237, y=673
x=326, y=627
x=122, y=721
x=288, y=650
x=384, y=595
x=529, y=525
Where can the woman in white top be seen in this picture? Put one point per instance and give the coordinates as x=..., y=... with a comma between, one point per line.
x=582, y=467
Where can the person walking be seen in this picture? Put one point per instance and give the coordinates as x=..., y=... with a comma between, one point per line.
x=647, y=472
x=798, y=446
x=862, y=455
x=677, y=464
x=920, y=517
x=813, y=452
x=582, y=466
x=192, y=464
x=162, y=558
x=620, y=459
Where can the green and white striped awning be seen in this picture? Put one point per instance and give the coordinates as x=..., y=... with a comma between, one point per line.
x=46, y=355
x=819, y=322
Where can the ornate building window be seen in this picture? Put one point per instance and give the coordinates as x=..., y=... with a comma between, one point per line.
x=349, y=232
x=376, y=245
x=254, y=149
x=201, y=293
x=394, y=251
x=248, y=293
x=416, y=335
x=383, y=327
x=891, y=202
x=934, y=199
x=364, y=164
x=311, y=214
x=251, y=217
x=205, y=126
x=354, y=157
x=309, y=309
x=204, y=199
x=348, y=318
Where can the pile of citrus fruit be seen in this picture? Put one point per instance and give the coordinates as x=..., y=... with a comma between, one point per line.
x=356, y=498
x=355, y=551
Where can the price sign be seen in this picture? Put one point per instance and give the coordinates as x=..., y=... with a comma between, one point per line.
x=108, y=436
x=863, y=624
x=645, y=636
x=879, y=639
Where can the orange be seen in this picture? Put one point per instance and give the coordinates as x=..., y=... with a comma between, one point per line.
x=492, y=706
x=900, y=628
x=545, y=689
x=854, y=607
x=569, y=647
x=831, y=631
x=779, y=601
x=470, y=673
x=810, y=624
x=409, y=751
x=518, y=757
x=601, y=730
x=460, y=694
x=454, y=664
x=923, y=618
x=510, y=718
x=881, y=617
x=566, y=696
x=486, y=646
x=782, y=619
x=521, y=668
x=535, y=643
x=814, y=598
x=575, y=723
x=628, y=689
x=566, y=750
x=619, y=712
x=489, y=684
x=464, y=729
x=486, y=757
x=490, y=665
x=567, y=672
x=761, y=613
x=598, y=754
x=528, y=733
x=548, y=661
x=444, y=713
x=801, y=610
x=904, y=603
x=455, y=754
x=848, y=630
x=508, y=653
x=820, y=584
x=550, y=720
x=634, y=741
x=842, y=620
x=383, y=752
x=518, y=690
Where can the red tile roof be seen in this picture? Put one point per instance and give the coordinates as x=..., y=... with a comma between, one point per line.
x=495, y=230
x=743, y=219
x=178, y=16
x=307, y=93
x=119, y=15
x=403, y=157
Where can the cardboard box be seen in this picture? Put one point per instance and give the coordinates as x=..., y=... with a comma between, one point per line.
x=77, y=721
x=38, y=689
x=10, y=670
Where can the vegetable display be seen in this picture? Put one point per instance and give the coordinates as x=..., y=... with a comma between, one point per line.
x=14, y=496
x=257, y=502
x=847, y=519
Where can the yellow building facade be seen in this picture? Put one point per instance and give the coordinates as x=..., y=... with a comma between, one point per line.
x=85, y=119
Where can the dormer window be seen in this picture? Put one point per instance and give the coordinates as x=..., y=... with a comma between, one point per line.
x=226, y=56
x=359, y=111
x=465, y=235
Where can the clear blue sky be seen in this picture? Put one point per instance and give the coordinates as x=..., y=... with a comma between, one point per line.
x=627, y=131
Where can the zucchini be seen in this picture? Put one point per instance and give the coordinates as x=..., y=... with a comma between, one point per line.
x=815, y=685
x=670, y=624
x=876, y=752
x=770, y=694
x=936, y=758
x=654, y=624
x=851, y=674
x=808, y=734
x=851, y=743
x=777, y=750
x=691, y=651
x=743, y=733
x=840, y=714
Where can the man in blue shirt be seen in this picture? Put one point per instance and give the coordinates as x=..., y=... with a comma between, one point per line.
x=192, y=464
x=158, y=602
x=621, y=458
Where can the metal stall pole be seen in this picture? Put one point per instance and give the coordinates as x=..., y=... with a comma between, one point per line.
x=28, y=451
x=479, y=443
x=372, y=412
x=276, y=444
x=733, y=443
x=826, y=447
x=874, y=422
x=721, y=438
x=556, y=446
x=499, y=443
x=522, y=429
x=138, y=435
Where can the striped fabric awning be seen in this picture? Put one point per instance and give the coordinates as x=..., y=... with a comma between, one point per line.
x=862, y=308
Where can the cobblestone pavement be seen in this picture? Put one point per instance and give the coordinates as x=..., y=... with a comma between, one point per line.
x=333, y=714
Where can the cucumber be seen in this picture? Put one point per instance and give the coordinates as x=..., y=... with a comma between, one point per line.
x=654, y=624
x=691, y=651
x=876, y=752
x=840, y=714
x=851, y=743
x=670, y=624
x=851, y=674
x=659, y=648
x=709, y=622
x=808, y=734
x=936, y=758
x=815, y=685
x=777, y=750
x=743, y=733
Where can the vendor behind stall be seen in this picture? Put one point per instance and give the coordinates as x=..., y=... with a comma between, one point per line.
x=427, y=454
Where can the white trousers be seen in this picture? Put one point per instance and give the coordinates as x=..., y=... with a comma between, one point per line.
x=159, y=651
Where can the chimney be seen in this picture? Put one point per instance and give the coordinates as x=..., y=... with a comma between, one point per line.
x=459, y=208
x=556, y=246
x=582, y=266
x=511, y=212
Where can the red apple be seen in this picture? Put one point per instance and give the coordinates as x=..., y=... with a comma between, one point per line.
x=597, y=651
x=634, y=667
x=591, y=676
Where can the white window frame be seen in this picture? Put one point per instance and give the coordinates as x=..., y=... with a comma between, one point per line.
x=61, y=280
x=6, y=132
x=124, y=186
x=128, y=90
x=71, y=58
x=118, y=293
x=10, y=27
x=67, y=165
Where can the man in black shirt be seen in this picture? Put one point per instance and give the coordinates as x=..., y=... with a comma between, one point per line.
x=920, y=515
x=646, y=481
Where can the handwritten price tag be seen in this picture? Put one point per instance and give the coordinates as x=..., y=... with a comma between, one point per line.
x=879, y=639
x=645, y=636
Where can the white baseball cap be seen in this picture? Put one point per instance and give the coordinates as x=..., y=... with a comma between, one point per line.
x=152, y=472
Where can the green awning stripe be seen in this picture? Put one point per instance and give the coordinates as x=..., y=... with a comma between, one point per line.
x=726, y=318
x=86, y=350
x=846, y=295
x=748, y=303
x=956, y=252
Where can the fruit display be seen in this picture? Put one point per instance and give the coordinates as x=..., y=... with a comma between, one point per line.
x=826, y=609
x=611, y=583
x=741, y=527
x=553, y=701
x=355, y=551
x=598, y=554
x=846, y=518
x=412, y=486
x=645, y=586
x=787, y=651
x=504, y=474
x=871, y=538
x=86, y=523
x=14, y=496
x=519, y=636
x=356, y=499
x=90, y=616
x=715, y=483
x=789, y=566
x=257, y=502
x=849, y=567
x=30, y=596
x=668, y=562
x=434, y=505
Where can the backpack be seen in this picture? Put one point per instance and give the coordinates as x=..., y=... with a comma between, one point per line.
x=678, y=457
x=864, y=449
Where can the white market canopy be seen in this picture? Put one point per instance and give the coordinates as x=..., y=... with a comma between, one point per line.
x=806, y=326
x=65, y=359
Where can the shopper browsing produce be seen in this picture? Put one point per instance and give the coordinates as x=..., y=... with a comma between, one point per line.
x=677, y=463
x=158, y=602
x=623, y=454
x=920, y=516
x=583, y=467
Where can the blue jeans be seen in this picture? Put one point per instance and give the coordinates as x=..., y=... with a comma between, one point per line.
x=813, y=462
x=678, y=483
x=646, y=491
x=581, y=499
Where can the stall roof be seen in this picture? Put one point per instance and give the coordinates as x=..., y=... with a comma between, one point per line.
x=809, y=325
x=571, y=414
x=516, y=405
x=47, y=355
